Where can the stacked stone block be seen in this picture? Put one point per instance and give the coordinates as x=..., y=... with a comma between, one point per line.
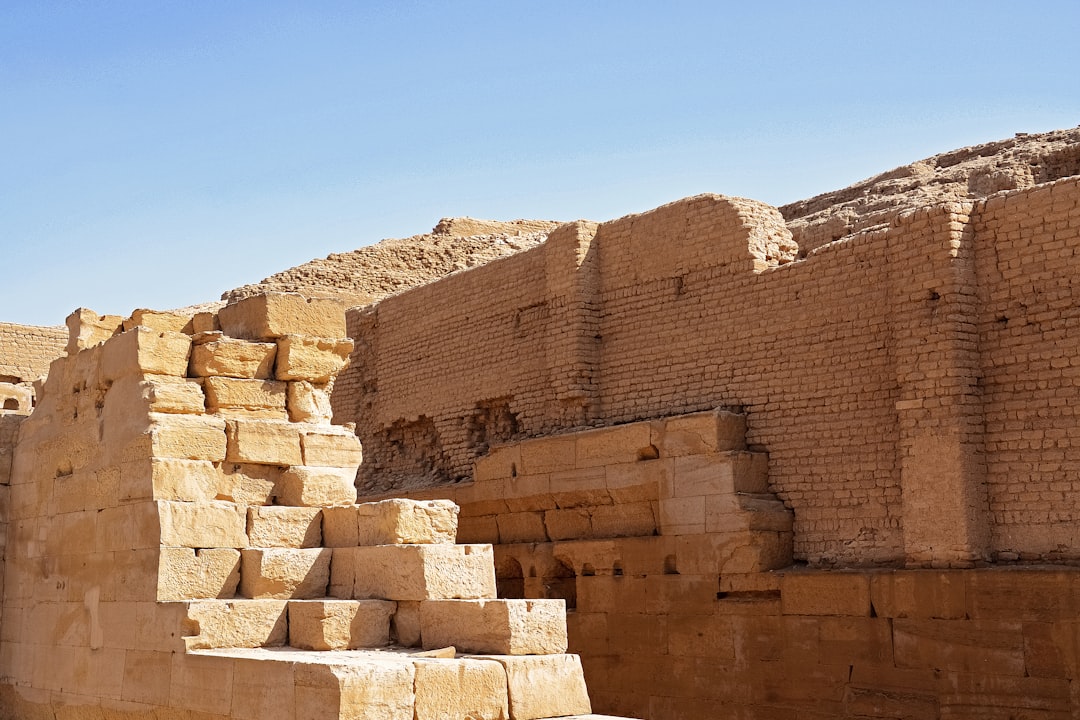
x=184, y=513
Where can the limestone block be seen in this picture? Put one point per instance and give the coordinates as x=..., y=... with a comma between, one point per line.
x=145, y=351
x=158, y=320
x=202, y=322
x=272, y=315
x=500, y=463
x=339, y=624
x=186, y=437
x=263, y=442
x=244, y=397
x=405, y=625
x=751, y=470
x=201, y=684
x=504, y=627
x=166, y=394
x=315, y=359
x=340, y=526
x=308, y=403
x=544, y=686
x=548, y=455
x=700, y=433
x=371, y=690
x=86, y=329
x=460, y=688
x=147, y=677
x=171, y=479
x=202, y=525
x=248, y=484
x=229, y=357
x=522, y=527
x=413, y=572
x=235, y=624
x=825, y=593
x=638, y=481
x=700, y=475
x=188, y=574
x=262, y=689
x=399, y=521
x=317, y=487
x=284, y=572
x=617, y=444
x=331, y=446
x=288, y=527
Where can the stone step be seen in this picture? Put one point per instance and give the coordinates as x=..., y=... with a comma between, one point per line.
x=330, y=624
x=391, y=522
x=290, y=684
x=503, y=627
x=284, y=573
x=284, y=527
x=412, y=572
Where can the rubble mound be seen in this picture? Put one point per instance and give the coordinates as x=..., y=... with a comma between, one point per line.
x=366, y=275
x=965, y=174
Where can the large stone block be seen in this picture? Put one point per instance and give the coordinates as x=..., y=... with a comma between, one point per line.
x=167, y=394
x=317, y=486
x=503, y=627
x=400, y=521
x=288, y=527
x=186, y=437
x=284, y=572
x=160, y=320
x=460, y=688
x=700, y=433
x=544, y=686
x=825, y=593
x=229, y=357
x=235, y=624
x=331, y=446
x=144, y=351
x=339, y=624
x=315, y=359
x=413, y=572
x=86, y=329
x=189, y=574
x=202, y=525
x=372, y=690
x=272, y=315
x=263, y=442
x=309, y=403
x=245, y=398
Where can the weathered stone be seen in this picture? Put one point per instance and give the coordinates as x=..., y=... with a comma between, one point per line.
x=86, y=329
x=503, y=627
x=289, y=527
x=315, y=359
x=202, y=525
x=413, y=572
x=399, y=521
x=284, y=572
x=263, y=442
x=331, y=446
x=461, y=688
x=236, y=624
x=144, y=351
x=187, y=573
x=339, y=624
x=229, y=357
x=544, y=686
x=316, y=486
x=166, y=394
x=272, y=315
x=243, y=397
x=308, y=403
x=158, y=320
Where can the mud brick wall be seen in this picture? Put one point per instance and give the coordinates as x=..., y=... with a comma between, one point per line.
x=864, y=369
x=27, y=350
x=1026, y=246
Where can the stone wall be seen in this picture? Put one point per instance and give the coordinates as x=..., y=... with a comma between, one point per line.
x=27, y=350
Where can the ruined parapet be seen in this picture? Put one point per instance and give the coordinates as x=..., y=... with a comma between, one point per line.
x=184, y=539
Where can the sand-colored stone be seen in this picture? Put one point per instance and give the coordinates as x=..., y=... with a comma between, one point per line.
x=330, y=446
x=286, y=527
x=339, y=624
x=502, y=627
x=273, y=315
x=144, y=351
x=465, y=688
x=543, y=686
x=284, y=573
x=369, y=691
x=158, y=320
x=236, y=623
x=413, y=572
x=308, y=402
x=314, y=359
x=202, y=525
x=188, y=573
x=316, y=487
x=186, y=437
x=396, y=522
x=263, y=442
x=245, y=398
x=86, y=329
x=229, y=357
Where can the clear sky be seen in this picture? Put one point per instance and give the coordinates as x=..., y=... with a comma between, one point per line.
x=156, y=154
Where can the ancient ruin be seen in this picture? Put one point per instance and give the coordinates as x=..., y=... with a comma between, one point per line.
x=815, y=461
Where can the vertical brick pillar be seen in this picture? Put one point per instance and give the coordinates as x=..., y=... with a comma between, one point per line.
x=940, y=448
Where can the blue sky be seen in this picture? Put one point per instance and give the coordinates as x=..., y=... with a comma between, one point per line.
x=156, y=154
